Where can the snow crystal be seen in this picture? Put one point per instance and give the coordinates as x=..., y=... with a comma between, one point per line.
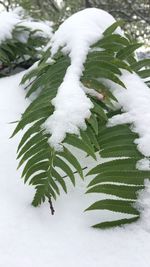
x=74, y=36
x=135, y=101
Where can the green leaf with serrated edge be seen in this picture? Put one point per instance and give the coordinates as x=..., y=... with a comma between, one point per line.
x=101, y=64
x=72, y=159
x=121, y=151
x=86, y=139
x=30, y=74
x=40, y=181
x=98, y=110
x=134, y=180
x=100, y=55
x=59, y=179
x=113, y=27
x=93, y=122
x=120, y=206
x=41, y=166
x=33, y=116
x=126, y=51
x=144, y=73
x=37, y=177
x=46, y=77
x=122, y=191
x=41, y=192
x=31, y=142
x=42, y=155
x=140, y=64
x=101, y=73
x=63, y=166
x=126, y=177
x=42, y=145
x=121, y=141
x=108, y=224
x=121, y=64
x=92, y=137
x=117, y=132
x=77, y=142
x=115, y=164
x=53, y=183
x=114, y=38
x=44, y=99
x=112, y=48
x=32, y=130
x=117, y=137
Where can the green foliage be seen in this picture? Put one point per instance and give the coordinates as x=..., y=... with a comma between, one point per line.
x=45, y=168
x=15, y=53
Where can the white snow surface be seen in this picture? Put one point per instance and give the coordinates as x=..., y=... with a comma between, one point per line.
x=32, y=237
x=135, y=101
x=72, y=106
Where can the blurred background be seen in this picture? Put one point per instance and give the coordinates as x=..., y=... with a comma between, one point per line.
x=136, y=13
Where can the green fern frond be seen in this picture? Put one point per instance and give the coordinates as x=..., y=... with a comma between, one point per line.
x=45, y=168
x=118, y=177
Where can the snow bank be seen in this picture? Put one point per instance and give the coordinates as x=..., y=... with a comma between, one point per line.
x=32, y=237
x=135, y=101
x=72, y=106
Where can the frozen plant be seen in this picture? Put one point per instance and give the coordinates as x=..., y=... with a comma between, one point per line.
x=92, y=97
x=21, y=40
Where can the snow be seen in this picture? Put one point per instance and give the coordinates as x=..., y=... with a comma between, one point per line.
x=44, y=27
x=143, y=164
x=72, y=106
x=135, y=101
x=9, y=20
x=32, y=237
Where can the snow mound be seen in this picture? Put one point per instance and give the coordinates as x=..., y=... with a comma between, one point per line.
x=72, y=106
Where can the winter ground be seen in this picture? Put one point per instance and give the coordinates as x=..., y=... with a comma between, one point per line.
x=31, y=237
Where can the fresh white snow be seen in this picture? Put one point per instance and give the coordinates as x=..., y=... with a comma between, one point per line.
x=135, y=101
x=143, y=164
x=42, y=28
x=72, y=106
x=9, y=20
x=32, y=237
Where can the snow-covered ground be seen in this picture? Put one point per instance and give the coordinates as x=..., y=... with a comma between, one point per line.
x=31, y=237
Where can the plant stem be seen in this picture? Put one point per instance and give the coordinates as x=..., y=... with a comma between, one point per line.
x=51, y=206
x=75, y=172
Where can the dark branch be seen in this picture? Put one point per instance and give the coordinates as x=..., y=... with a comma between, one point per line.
x=51, y=206
x=54, y=6
x=87, y=4
x=4, y=5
